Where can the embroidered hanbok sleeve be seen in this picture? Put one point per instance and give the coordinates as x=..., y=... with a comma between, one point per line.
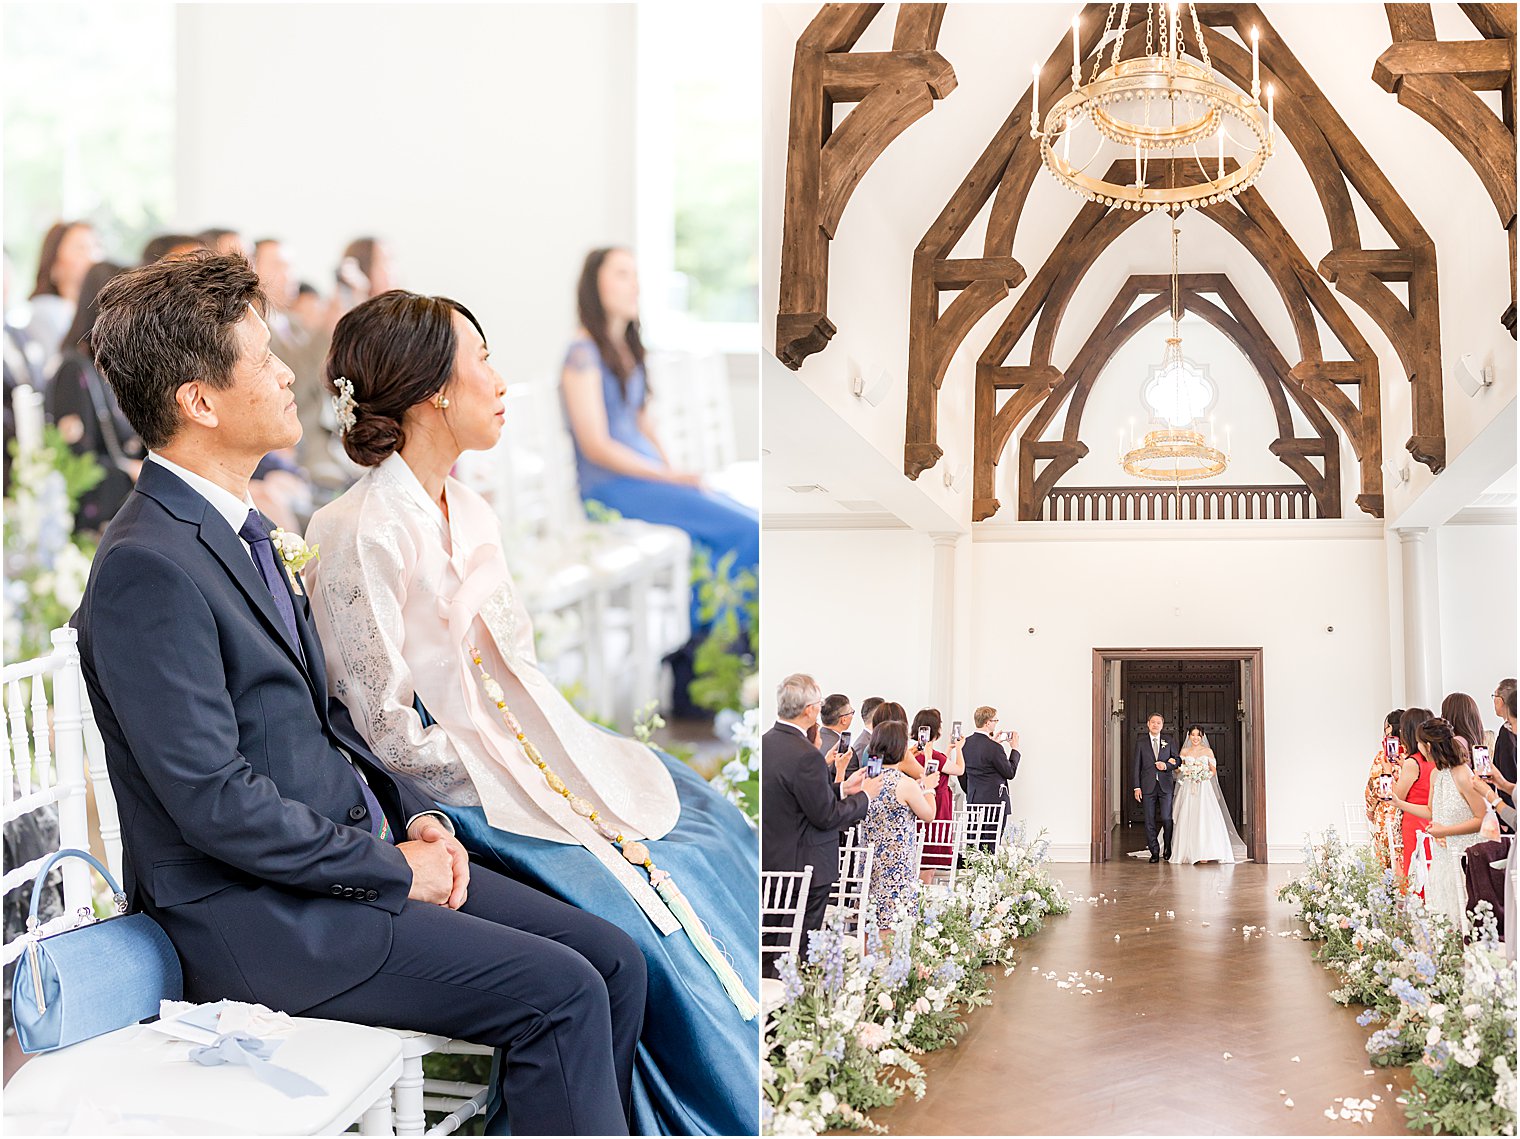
x=361, y=591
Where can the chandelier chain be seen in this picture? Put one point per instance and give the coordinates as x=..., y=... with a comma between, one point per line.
x=1203, y=48
x=1118, y=29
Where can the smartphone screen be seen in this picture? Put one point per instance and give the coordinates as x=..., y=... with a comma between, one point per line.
x=931, y=767
x=873, y=766
x=1481, y=762
x=923, y=737
x=955, y=730
x=844, y=742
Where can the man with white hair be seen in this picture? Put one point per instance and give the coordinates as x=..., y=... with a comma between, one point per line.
x=802, y=810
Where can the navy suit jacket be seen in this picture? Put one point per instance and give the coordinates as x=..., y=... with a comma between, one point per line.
x=801, y=813
x=988, y=769
x=1142, y=766
x=244, y=830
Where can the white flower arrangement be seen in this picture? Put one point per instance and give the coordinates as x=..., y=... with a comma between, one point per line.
x=1194, y=769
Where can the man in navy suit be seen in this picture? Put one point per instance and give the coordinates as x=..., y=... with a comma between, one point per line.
x=1151, y=769
x=284, y=862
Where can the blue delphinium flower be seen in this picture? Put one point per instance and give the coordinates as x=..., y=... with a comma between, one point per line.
x=791, y=980
x=1368, y=1017
x=1424, y=966
x=1383, y=1040
x=949, y=971
x=1408, y=993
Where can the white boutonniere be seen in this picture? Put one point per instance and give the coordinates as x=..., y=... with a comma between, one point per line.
x=294, y=553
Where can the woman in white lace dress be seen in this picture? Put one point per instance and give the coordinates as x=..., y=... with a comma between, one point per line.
x=1455, y=812
x=1201, y=830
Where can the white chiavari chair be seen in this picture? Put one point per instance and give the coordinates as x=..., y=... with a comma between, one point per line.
x=941, y=843
x=983, y=825
x=852, y=889
x=1358, y=830
x=783, y=906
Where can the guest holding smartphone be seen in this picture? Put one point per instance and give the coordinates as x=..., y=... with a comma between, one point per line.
x=927, y=726
x=890, y=824
x=1413, y=785
x=1382, y=813
x=991, y=760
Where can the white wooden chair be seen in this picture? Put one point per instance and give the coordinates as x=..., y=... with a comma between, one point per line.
x=135, y=1078
x=983, y=824
x=783, y=905
x=852, y=889
x=948, y=837
x=1358, y=829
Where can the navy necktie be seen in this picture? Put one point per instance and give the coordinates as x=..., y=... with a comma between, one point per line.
x=262, y=549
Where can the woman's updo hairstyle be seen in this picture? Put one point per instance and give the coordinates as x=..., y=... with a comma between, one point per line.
x=1440, y=744
x=397, y=350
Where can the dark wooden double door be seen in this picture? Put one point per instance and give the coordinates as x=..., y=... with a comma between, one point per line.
x=1205, y=693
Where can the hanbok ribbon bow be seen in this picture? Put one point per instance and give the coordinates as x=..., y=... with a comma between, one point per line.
x=253, y=1054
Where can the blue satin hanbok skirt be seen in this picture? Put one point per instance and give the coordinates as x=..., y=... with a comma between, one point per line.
x=697, y=1068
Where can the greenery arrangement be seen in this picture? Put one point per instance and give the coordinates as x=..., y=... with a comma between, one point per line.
x=46, y=564
x=1443, y=1006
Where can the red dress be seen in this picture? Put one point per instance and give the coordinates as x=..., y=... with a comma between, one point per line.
x=937, y=855
x=1419, y=794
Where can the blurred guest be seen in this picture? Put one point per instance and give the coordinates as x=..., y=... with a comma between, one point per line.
x=937, y=856
x=21, y=366
x=1413, y=785
x=68, y=251
x=170, y=245
x=84, y=408
x=365, y=271
x=303, y=349
x=989, y=762
x=1504, y=738
x=280, y=489
x=1453, y=815
x=801, y=811
x=836, y=717
x=1461, y=711
x=618, y=455
x=891, y=824
x=227, y=241
x=309, y=310
x=1382, y=812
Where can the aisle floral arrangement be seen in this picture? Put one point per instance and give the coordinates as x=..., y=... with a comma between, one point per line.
x=1443, y=1007
x=845, y=1040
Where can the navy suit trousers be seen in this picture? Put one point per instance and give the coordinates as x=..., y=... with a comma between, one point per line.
x=1158, y=800
x=558, y=992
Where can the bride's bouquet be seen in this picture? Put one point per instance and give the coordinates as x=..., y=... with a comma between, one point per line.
x=1194, y=770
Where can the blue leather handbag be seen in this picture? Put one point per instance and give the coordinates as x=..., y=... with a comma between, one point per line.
x=85, y=982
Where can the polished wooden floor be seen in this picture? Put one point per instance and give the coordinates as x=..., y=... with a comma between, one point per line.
x=1146, y=1055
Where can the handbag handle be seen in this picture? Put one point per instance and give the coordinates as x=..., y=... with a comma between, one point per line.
x=70, y=852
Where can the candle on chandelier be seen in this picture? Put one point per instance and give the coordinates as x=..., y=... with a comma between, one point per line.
x=1139, y=182
x=1255, y=63
x=1076, y=51
x=1121, y=444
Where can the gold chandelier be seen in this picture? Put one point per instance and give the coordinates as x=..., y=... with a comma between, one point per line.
x=1160, y=103
x=1175, y=453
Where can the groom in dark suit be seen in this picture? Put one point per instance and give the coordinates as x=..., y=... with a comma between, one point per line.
x=285, y=863
x=1151, y=769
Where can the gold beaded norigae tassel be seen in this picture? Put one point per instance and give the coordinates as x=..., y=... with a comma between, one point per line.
x=632, y=850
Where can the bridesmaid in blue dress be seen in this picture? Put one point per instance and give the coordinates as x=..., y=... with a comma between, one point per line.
x=618, y=457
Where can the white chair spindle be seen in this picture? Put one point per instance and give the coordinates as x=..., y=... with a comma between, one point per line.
x=42, y=736
x=73, y=814
x=20, y=740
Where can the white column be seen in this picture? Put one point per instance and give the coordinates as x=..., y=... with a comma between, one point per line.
x=942, y=623
x=1422, y=629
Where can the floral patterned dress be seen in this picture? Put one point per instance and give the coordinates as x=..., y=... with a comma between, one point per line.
x=891, y=826
x=1382, y=815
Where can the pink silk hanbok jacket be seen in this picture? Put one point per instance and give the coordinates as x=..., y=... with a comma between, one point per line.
x=401, y=594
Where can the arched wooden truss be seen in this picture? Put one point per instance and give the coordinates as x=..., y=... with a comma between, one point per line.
x=1314, y=383
x=1439, y=81
x=824, y=164
x=1119, y=324
x=1337, y=164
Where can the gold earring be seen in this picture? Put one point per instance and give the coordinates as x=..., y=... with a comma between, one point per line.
x=441, y=401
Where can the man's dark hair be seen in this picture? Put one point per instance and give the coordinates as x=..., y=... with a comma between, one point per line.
x=1155, y=716
x=169, y=323
x=868, y=708
x=833, y=706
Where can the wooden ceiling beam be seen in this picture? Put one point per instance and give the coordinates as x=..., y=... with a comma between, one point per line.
x=1482, y=65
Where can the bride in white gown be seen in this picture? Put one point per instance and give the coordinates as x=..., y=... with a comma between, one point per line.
x=1201, y=828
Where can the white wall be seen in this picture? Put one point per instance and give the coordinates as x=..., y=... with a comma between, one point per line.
x=849, y=607
x=1476, y=580
x=490, y=145
x=1325, y=693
